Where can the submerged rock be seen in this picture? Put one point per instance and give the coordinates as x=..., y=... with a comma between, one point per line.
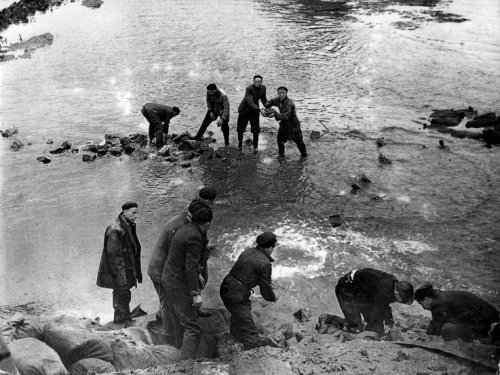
x=315, y=134
x=383, y=159
x=92, y=3
x=43, y=159
x=16, y=145
x=88, y=157
x=9, y=132
x=335, y=220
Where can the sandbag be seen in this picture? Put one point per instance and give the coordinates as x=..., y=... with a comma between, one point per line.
x=91, y=365
x=136, y=334
x=33, y=357
x=130, y=355
x=74, y=340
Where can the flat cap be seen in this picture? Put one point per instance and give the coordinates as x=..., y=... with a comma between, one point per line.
x=207, y=193
x=128, y=205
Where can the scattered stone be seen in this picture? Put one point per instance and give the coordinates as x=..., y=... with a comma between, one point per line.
x=402, y=356
x=181, y=137
x=102, y=149
x=383, y=159
x=227, y=344
x=129, y=148
x=461, y=113
x=88, y=157
x=188, y=145
x=303, y=314
x=172, y=159
x=381, y=142
x=287, y=330
x=9, y=132
x=92, y=3
x=139, y=138
x=446, y=121
x=315, y=134
x=58, y=150
x=483, y=122
x=364, y=179
x=355, y=188
x=116, y=151
x=190, y=155
x=442, y=145
x=248, y=142
x=66, y=145
x=91, y=148
x=335, y=220
x=491, y=136
x=43, y=159
x=185, y=164
x=113, y=140
x=140, y=154
x=16, y=145
x=164, y=151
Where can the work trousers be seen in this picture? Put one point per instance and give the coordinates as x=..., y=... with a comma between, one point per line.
x=375, y=314
x=164, y=314
x=186, y=323
x=237, y=302
x=157, y=129
x=207, y=121
x=295, y=135
x=241, y=127
x=121, y=305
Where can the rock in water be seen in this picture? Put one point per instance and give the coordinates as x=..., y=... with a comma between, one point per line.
x=16, y=145
x=315, y=134
x=43, y=159
x=383, y=159
x=92, y=3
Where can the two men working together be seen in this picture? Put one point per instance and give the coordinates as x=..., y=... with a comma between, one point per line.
x=249, y=111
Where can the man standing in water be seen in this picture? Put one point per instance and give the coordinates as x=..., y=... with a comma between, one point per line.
x=249, y=111
x=252, y=268
x=289, y=122
x=369, y=292
x=181, y=282
x=120, y=267
x=159, y=116
x=218, y=107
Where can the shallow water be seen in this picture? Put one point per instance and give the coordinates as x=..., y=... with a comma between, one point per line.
x=378, y=67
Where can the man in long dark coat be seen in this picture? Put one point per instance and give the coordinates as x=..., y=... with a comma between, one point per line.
x=120, y=267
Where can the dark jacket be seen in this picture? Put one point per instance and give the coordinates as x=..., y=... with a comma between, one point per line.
x=371, y=286
x=287, y=116
x=163, y=112
x=120, y=266
x=460, y=307
x=162, y=246
x=253, y=268
x=183, y=262
x=250, y=102
x=218, y=103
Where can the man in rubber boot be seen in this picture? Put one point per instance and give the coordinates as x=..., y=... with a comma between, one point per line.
x=218, y=107
x=289, y=128
x=456, y=314
x=120, y=267
x=249, y=111
x=369, y=292
x=181, y=281
x=253, y=268
x=159, y=116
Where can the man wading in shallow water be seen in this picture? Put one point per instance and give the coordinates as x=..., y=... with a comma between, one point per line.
x=249, y=111
x=218, y=107
x=159, y=116
x=120, y=267
x=289, y=122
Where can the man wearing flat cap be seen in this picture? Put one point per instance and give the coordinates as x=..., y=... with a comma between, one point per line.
x=253, y=268
x=218, y=107
x=120, y=267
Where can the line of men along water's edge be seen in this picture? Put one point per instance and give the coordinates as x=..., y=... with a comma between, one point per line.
x=178, y=268
x=159, y=116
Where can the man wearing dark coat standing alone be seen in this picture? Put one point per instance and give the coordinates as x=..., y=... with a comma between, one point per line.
x=181, y=281
x=120, y=267
x=253, y=268
x=369, y=292
x=249, y=111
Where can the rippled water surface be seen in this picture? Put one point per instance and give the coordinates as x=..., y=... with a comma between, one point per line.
x=376, y=67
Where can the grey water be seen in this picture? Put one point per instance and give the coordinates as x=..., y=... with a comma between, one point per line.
x=378, y=67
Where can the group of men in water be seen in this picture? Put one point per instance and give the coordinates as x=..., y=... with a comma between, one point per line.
x=179, y=272
x=249, y=111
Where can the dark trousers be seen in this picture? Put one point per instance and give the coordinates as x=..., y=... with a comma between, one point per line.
x=295, y=135
x=241, y=127
x=186, y=323
x=157, y=129
x=207, y=121
x=121, y=305
x=374, y=314
x=237, y=302
x=164, y=312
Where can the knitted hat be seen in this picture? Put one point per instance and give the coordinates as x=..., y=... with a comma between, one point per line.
x=212, y=87
x=196, y=204
x=203, y=215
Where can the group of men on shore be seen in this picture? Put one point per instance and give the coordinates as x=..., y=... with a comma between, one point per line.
x=249, y=111
x=179, y=272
